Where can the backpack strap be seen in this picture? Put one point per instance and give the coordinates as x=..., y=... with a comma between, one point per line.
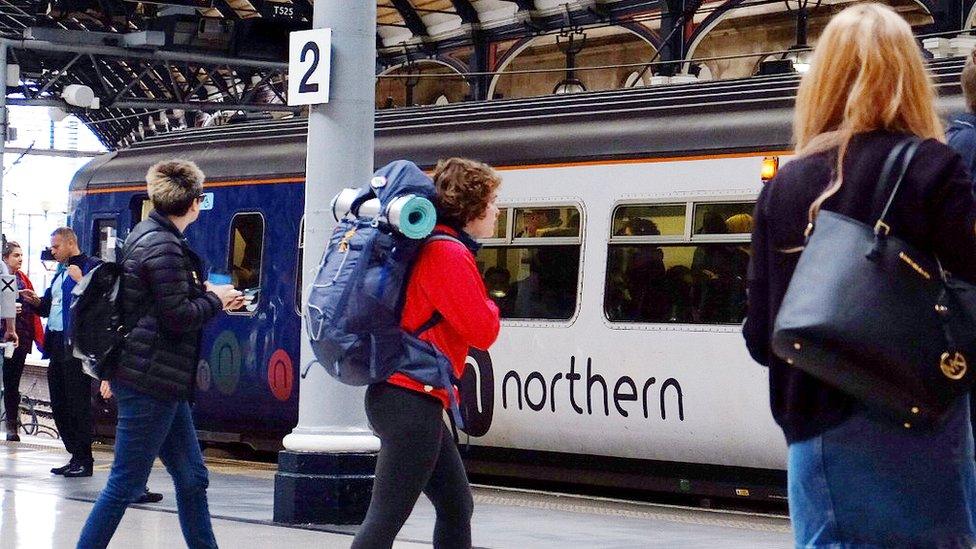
x=434, y=320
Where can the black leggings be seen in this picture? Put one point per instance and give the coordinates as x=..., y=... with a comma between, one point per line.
x=417, y=454
x=13, y=369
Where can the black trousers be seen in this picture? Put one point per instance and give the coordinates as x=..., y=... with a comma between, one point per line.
x=417, y=454
x=71, y=394
x=13, y=369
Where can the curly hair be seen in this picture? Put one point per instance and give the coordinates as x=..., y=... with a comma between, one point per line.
x=173, y=185
x=464, y=189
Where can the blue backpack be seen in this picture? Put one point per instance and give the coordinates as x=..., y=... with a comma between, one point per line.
x=356, y=300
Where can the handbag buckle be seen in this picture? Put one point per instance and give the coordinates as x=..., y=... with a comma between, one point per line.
x=882, y=227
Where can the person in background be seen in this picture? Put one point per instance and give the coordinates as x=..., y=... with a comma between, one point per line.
x=417, y=452
x=855, y=480
x=961, y=133
x=68, y=384
x=29, y=330
x=165, y=305
x=961, y=136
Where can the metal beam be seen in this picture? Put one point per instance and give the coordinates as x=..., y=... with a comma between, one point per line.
x=466, y=11
x=66, y=153
x=148, y=104
x=410, y=17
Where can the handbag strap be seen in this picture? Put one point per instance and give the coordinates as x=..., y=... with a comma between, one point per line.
x=905, y=151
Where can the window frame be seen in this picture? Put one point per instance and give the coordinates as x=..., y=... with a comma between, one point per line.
x=230, y=236
x=510, y=241
x=686, y=239
x=97, y=219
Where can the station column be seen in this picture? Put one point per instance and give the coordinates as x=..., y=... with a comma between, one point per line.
x=325, y=473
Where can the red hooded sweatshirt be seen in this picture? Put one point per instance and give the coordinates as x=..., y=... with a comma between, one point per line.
x=445, y=279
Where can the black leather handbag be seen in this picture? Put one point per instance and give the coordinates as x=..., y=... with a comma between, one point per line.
x=876, y=317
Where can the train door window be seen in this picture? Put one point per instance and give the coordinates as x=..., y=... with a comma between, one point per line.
x=531, y=265
x=246, y=252
x=695, y=277
x=104, y=239
x=300, y=265
x=139, y=209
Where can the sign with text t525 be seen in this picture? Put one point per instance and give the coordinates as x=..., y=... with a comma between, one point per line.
x=309, y=66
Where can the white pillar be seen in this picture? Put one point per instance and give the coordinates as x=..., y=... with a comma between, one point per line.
x=325, y=473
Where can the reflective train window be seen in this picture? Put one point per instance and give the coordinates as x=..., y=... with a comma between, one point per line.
x=531, y=266
x=245, y=255
x=665, y=219
x=695, y=277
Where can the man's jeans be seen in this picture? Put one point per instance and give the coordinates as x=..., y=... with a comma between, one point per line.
x=149, y=427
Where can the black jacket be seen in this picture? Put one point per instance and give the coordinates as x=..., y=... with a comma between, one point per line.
x=935, y=210
x=165, y=306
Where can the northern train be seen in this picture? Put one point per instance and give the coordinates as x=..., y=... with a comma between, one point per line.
x=618, y=263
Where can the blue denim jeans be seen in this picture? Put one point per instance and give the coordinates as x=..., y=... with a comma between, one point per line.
x=149, y=427
x=872, y=483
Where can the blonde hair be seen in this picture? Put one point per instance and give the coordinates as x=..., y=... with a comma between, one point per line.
x=866, y=74
x=173, y=185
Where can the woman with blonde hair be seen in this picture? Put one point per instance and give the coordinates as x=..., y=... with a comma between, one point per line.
x=856, y=480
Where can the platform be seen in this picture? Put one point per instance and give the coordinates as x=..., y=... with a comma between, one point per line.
x=40, y=510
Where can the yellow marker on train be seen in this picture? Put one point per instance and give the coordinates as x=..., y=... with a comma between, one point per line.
x=770, y=165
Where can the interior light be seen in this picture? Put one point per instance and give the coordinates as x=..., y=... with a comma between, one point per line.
x=770, y=165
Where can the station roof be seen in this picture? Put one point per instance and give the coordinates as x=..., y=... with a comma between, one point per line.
x=173, y=92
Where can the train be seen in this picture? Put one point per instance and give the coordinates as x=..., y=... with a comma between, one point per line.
x=618, y=263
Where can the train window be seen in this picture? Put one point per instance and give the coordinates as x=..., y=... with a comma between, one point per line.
x=723, y=218
x=300, y=265
x=501, y=225
x=139, y=208
x=652, y=280
x=547, y=222
x=245, y=254
x=534, y=275
x=656, y=220
x=104, y=241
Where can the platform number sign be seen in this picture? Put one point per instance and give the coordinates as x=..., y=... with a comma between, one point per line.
x=309, y=66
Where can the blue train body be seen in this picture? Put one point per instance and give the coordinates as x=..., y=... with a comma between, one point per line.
x=247, y=383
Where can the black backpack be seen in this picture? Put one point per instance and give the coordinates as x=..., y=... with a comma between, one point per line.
x=97, y=330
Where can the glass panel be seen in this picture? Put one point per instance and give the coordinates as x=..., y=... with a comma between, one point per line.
x=727, y=218
x=538, y=282
x=105, y=239
x=703, y=284
x=501, y=224
x=547, y=222
x=244, y=259
x=146, y=208
x=665, y=220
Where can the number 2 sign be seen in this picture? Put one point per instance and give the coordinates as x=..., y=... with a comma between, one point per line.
x=309, y=65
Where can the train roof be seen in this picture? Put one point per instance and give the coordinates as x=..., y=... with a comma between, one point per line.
x=701, y=118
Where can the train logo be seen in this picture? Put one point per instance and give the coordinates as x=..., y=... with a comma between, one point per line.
x=477, y=389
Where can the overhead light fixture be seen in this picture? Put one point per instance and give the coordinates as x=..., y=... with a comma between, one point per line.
x=570, y=42
x=78, y=95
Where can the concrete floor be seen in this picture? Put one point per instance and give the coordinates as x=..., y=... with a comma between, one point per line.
x=39, y=510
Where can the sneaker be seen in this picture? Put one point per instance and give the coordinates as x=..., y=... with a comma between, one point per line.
x=61, y=470
x=78, y=470
x=149, y=497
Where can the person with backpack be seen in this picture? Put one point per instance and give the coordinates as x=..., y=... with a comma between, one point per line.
x=417, y=452
x=68, y=385
x=855, y=477
x=165, y=305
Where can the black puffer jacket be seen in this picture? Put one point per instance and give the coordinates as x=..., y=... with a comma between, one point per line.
x=165, y=305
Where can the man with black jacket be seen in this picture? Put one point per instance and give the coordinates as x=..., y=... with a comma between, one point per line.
x=165, y=306
x=68, y=385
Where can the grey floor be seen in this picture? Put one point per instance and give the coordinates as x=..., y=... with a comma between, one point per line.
x=39, y=510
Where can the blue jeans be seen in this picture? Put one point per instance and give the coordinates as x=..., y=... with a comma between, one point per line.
x=149, y=427
x=872, y=483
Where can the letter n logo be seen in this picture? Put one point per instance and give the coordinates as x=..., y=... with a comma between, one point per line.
x=477, y=393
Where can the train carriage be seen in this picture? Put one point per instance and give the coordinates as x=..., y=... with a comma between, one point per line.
x=618, y=263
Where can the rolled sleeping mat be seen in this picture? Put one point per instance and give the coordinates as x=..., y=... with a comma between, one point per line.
x=413, y=216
